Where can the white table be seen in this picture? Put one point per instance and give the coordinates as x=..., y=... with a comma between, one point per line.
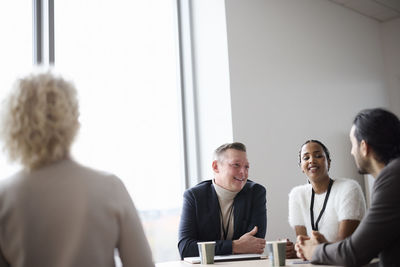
x=252, y=263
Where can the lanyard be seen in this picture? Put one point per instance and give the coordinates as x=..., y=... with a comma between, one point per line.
x=229, y=220
x=315, y=227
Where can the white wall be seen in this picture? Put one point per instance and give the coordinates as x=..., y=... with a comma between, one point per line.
x=299, y=70
x=391, y=49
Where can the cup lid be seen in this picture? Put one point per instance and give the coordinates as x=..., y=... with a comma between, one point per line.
x=276, y=242
x=206, y=242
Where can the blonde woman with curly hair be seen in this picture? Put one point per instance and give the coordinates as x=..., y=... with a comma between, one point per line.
x=56, y=212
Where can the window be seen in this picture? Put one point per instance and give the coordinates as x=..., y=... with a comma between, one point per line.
x=15, y=53
x=121, y=56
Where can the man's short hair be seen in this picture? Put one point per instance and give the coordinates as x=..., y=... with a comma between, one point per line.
x=380, y=129
x=221, y=149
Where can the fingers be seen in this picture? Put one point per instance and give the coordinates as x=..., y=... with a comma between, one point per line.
x=289, y=245
x=259, y=250
x=299, y=255
x=261, y=245
x=290, y=251
x=259, y=241
x=297, y=249
x=258, y=245
x=299, y=252
x=317, y=236
x=291, y=255
x=249, y=243
x=302, y=238
x=253, y=231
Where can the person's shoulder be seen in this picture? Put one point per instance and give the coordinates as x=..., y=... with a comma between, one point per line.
x=76, y=166
x=389, y=177
x=391, y=169
x=201, y=187
x=91, y=175
x=14, y=180
x=253, y=185
x=346, y=188
x=300, y=189
x=394, y=163
x=345, y=183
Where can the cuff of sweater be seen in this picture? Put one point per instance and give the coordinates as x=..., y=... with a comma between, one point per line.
x=316, y=257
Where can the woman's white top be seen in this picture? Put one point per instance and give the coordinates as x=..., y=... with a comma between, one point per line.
x=346, y=202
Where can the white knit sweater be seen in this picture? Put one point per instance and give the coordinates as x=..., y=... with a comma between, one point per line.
x=225, y=199
x=346, y=202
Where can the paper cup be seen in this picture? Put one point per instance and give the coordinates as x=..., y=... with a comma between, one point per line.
x=277, y=252
x=206, y=252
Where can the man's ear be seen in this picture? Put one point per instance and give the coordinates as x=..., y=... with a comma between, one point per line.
x=364, y=148
x=215, y=166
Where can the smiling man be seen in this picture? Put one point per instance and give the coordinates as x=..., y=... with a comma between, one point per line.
x=375, y=139
x=229, y=209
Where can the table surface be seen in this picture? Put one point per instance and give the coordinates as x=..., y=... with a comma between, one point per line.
x=255, y=263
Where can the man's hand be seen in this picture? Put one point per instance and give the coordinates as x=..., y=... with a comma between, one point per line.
x=318, y=237
x=305, y=247
x=248, y=243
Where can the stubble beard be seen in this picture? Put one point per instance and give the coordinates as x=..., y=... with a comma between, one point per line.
x=362, y=165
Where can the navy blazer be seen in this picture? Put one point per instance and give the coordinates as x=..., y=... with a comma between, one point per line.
x=200, y=218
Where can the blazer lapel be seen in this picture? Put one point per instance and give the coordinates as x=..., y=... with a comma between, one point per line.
x=239, y=206
x=215, y=213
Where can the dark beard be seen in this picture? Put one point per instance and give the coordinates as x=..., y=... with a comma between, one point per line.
x=362, y=171
x=363, y=166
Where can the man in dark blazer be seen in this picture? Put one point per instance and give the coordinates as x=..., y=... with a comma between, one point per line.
x=375, y=138
x=230, y=209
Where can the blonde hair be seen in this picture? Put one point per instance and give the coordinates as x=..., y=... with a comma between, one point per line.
x=40, y=119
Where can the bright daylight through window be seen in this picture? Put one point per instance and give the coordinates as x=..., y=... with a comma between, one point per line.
x=15, y=54
x=122, y=57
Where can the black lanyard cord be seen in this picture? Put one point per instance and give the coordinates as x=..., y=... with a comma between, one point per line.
x=229, y=220
x=315, y=227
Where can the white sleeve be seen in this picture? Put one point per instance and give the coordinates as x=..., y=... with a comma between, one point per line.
x=295, y=212
x=351, y=202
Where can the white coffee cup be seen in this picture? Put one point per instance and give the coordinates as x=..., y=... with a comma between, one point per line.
x=206, y=252
x=277, y=252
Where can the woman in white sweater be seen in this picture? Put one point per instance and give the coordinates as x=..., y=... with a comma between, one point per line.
x=330, y=209
x=56, y=212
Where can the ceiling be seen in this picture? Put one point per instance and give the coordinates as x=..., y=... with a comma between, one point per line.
x=380, y=10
